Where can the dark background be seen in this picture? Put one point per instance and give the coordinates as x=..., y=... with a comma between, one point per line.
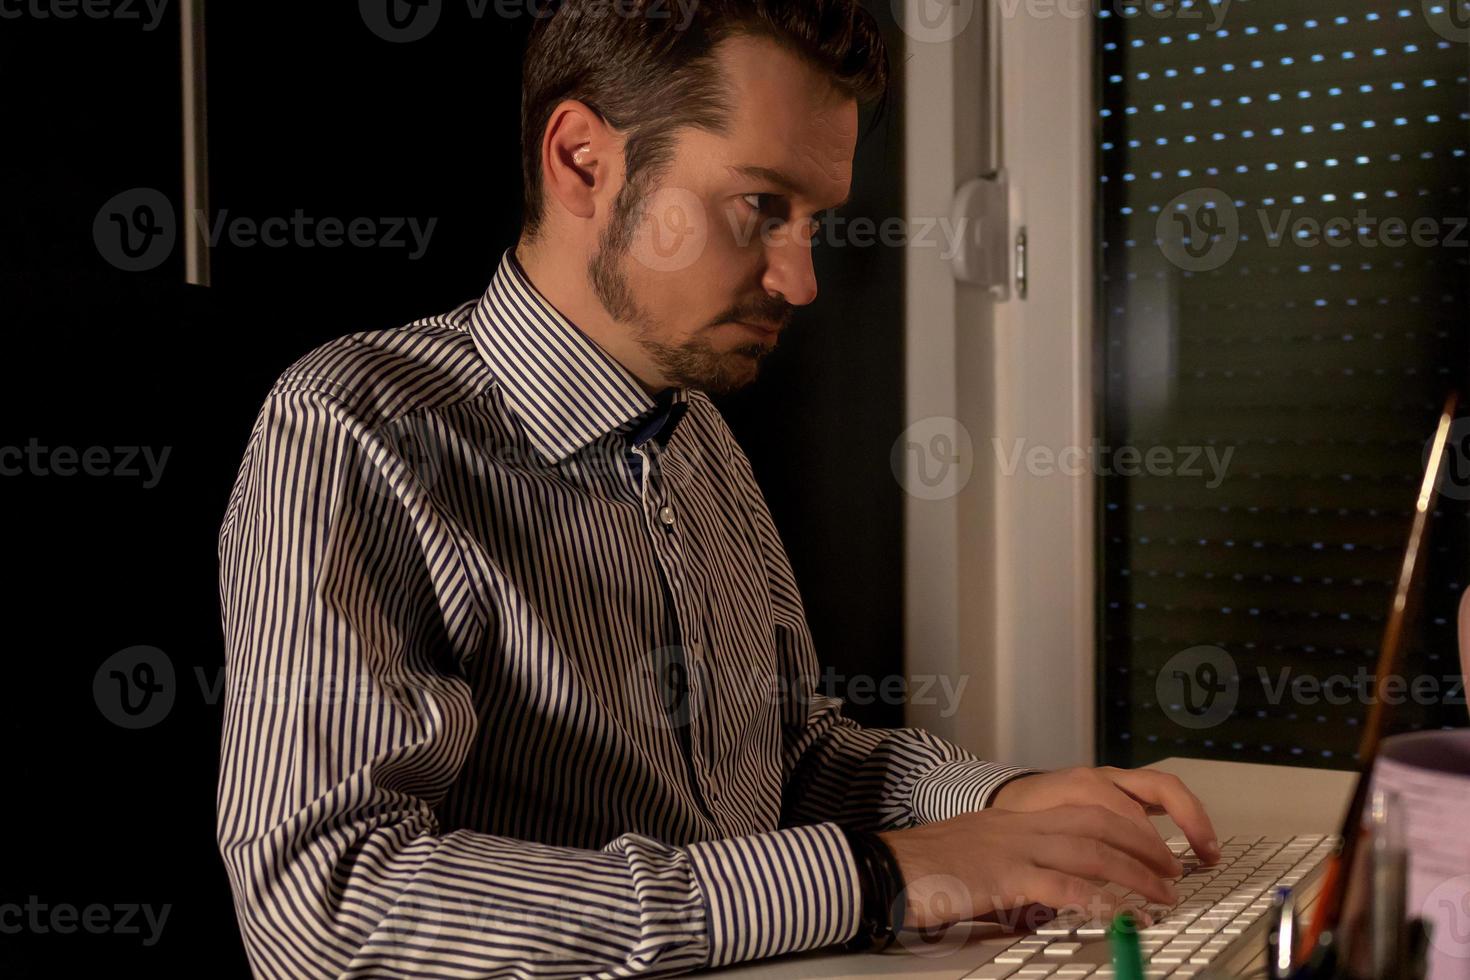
x=310, y=110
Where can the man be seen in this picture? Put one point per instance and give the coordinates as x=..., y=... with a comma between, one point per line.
x=519, y=680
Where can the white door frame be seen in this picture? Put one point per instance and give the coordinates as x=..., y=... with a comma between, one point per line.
x=999, y=577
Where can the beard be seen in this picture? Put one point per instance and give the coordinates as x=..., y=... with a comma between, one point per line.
x=694, y=363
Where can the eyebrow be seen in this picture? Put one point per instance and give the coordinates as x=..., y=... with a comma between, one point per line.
x=780, y=178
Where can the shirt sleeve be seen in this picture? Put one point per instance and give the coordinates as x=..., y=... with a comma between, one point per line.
x=837, y=770
x=347, y=718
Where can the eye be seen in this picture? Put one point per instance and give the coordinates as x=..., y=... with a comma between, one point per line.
x=754, y=200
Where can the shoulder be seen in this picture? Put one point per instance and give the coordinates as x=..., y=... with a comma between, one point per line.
x=707, y=427
x=379, y=377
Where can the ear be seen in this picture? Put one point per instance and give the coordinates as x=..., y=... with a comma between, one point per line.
x=575, y=158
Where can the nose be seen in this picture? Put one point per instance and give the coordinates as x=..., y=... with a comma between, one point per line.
x=789, y=269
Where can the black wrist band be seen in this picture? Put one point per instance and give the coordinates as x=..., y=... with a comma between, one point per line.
x=880, y=883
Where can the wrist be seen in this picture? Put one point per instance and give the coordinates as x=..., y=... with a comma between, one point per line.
x=881, y=892
x=1008, y=789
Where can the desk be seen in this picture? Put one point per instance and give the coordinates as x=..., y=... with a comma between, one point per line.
x=1241, y=798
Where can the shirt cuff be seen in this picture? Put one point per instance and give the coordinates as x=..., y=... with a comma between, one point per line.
x=960, y=786
x=777, y=892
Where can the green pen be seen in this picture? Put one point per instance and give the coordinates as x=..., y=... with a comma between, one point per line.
x=1123, y=938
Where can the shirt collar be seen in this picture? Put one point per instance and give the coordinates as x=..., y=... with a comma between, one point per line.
x=566, y=390
x=659, y=422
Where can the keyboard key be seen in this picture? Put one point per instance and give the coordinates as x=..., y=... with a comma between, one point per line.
x=1164, y=929
x=992, y=971
x=1061, y=949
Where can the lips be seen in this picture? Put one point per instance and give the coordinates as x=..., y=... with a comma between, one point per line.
x=760, y=328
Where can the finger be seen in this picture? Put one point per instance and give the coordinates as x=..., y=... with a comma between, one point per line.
x=1133, y=810
x=1088, y=857
x=1068, y=893
x=1168, y=791
x=1094, y=820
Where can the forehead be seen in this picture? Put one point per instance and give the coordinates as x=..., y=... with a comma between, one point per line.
x=786, y=117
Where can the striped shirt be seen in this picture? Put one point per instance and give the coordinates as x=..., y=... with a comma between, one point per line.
x=519, y=682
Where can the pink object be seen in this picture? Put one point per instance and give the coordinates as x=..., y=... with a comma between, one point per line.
x=1430, y=772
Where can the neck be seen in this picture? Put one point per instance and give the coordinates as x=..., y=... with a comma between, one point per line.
x=562, y=279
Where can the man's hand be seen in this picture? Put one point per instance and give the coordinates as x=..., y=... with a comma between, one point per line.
x=1131, y=793
x=967, y=866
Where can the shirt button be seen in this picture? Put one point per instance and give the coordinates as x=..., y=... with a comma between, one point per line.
x=666, y=514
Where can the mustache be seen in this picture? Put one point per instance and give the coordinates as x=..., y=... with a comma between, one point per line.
x=778, y=315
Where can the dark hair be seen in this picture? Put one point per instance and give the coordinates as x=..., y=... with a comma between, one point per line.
x=645, y=73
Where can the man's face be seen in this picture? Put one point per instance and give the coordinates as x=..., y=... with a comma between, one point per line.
x=706, y=268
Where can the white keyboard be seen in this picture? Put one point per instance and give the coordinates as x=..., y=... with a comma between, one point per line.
x=1221, y=907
